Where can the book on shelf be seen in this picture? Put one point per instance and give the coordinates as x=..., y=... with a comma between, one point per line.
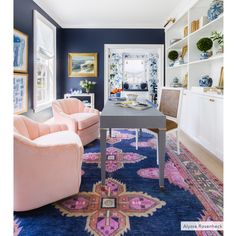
x=194, y=25
x=185, y=31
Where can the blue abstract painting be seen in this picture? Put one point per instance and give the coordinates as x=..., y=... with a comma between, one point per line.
x=20, y=42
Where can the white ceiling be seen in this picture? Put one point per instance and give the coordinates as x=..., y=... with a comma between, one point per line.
x=109, y=13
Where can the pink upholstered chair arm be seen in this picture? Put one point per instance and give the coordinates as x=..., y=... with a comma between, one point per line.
x=41, y=169
x=88, y=109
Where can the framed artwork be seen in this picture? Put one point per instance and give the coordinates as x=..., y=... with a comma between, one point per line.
x=20, y=93
x=82, y=64
x=20, y=60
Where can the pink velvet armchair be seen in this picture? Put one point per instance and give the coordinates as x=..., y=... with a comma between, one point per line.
x=47, y=163
x=80, y=119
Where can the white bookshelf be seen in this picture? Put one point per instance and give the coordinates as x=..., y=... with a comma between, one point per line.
x=201, y=112
x=194, y=67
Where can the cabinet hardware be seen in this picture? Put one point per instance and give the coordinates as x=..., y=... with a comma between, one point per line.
x=211, y=100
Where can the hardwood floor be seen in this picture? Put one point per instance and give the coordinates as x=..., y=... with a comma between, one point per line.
x=207, y=158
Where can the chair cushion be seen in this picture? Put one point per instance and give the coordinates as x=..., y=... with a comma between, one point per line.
x=170, y=124
x=57, y=138
x=85, y=120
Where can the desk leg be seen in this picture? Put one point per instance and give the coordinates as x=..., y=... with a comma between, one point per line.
x=103, y=134
x=162, y=146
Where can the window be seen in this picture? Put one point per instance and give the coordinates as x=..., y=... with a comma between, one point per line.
x=44, y=62
x=134, y=75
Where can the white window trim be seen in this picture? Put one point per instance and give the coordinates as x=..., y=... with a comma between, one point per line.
x=107, y=47
x=41, y=107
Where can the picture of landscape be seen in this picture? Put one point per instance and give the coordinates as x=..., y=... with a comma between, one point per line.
x=82, y=64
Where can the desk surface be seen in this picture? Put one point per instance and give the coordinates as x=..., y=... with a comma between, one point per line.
x=114, y=116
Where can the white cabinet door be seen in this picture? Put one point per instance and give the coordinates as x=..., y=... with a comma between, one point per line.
x=184, y=116
x=207, y=128
x=211, y=125
x=202, y=120
x=189, y=122
x=219, y=128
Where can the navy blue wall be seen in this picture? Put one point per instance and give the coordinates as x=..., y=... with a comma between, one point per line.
x=76, y=40
x=23, y=21
x=93, y=40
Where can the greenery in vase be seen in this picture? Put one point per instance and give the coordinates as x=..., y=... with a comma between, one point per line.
x=87, y=85
x=218, y=37
x=204, y=44
x=173, y=55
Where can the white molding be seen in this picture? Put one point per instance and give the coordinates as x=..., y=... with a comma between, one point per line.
x=50, y=13
x=136, y=25
x=107, y=47
x=101, y=26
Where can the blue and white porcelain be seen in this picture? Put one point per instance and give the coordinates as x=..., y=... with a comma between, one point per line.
x=171, y=63
x=205, y=55
x=205, y=81
x=216, y=9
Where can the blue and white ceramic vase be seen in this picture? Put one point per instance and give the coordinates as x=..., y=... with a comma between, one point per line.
x=171, y=63
x=205, y=55
x=216, y=9
x=205, y=81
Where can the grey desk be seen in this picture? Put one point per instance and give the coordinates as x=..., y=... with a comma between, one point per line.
x=114, y=116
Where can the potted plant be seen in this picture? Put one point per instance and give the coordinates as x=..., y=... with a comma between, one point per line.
x=87, y=85
x=173, y=55
x=204, y=45
x=218, y=37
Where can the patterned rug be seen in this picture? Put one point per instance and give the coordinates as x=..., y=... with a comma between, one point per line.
x=132, y=203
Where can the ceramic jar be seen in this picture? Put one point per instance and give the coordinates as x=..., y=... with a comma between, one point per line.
x=205, y=81
x=205, y=55
x=216, y=8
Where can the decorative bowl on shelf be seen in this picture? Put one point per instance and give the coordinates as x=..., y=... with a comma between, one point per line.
x=131, y=97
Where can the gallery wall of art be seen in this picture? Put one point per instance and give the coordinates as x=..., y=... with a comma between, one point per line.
x=23, y=21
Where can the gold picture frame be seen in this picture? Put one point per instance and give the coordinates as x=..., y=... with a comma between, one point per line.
x=20, y=93
x=82, y=65
x=20, y=44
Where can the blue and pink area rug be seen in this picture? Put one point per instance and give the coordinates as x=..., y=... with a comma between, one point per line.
x=132, y=203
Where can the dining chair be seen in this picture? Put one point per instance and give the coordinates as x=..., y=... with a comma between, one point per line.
x=170, y=106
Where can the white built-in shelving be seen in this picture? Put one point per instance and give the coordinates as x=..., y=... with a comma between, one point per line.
x=201, y=113
x=193, y=66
